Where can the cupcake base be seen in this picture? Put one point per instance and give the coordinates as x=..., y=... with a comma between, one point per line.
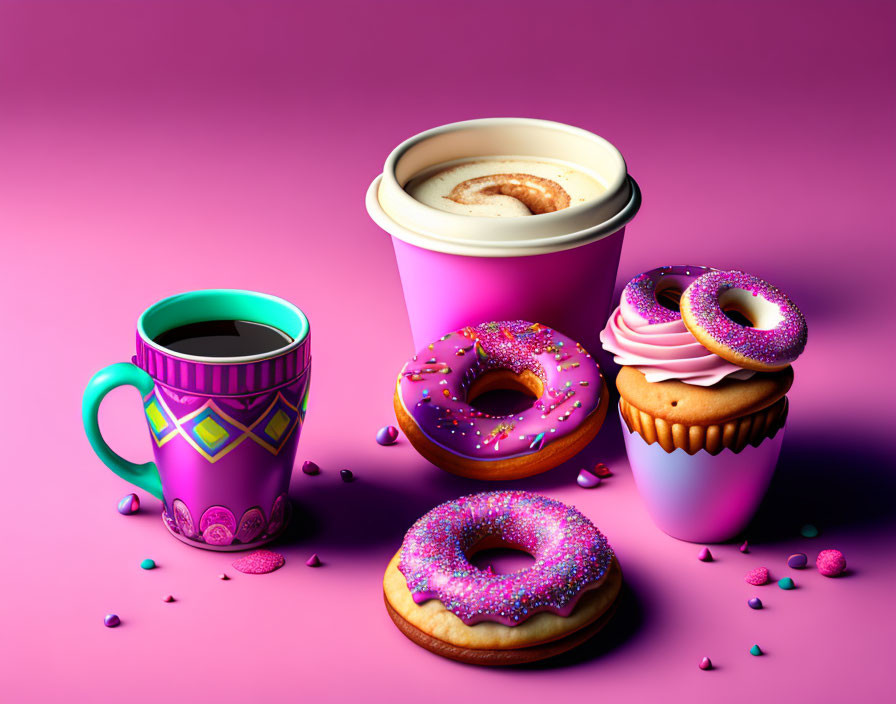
x=701, y=498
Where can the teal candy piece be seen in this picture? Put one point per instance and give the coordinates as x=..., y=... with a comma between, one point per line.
x=755, y=650
x=148, y=564
x=809, y=531
x=146, y=475
x=786, y=583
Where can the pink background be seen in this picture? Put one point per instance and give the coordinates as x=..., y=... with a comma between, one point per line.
x=151, y=148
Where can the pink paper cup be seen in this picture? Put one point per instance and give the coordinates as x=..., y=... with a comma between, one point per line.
x=701, y=498
x=555, y=268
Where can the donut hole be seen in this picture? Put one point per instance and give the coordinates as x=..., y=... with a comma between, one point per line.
x=501, y=392
x=749, y=310
x=501, y=556
x=669, y=297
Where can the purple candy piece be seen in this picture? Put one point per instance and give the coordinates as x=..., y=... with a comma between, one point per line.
x=346, y=475
x=183, y=519
x=310, y=468
x=218, y=515
x=278, y=514
x=111, y=621
x=129, y=504
x=797, y=561
x=313, y=561
x=387, y=435
x=217, y=534
x=587, y=480
x=252, y=525
x=745, y=547
x=704, y=555
x=755, y=603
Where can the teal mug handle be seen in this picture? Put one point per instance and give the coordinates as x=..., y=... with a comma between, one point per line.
x=145, y=476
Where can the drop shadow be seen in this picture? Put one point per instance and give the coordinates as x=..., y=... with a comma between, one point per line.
x=628, y=619
x=832, y=482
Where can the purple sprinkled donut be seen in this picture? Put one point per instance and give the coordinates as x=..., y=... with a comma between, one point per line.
x=435, y=388
x=769, y=331
x=570, y=554
x=653, y=294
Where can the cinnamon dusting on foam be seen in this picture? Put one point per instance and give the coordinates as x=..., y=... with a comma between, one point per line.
x=539, y=195
x=503, y=186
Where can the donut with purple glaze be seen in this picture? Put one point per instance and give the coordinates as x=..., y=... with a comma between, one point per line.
x=654, y=295
x=443, y=602
x=436, y=389
x=744, y=319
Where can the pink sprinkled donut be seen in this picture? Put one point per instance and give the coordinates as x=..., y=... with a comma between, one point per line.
x=570, y=554
x=435, y=389
x=654, y=295
x=744, y=320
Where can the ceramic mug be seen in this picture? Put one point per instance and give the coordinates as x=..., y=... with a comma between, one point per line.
x=224, y=430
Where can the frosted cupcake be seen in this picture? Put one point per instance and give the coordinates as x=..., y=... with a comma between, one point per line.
x=705, y=358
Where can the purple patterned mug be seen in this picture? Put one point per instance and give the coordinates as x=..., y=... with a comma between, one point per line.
x=224, y=429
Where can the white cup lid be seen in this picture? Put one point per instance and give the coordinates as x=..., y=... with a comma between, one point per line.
x=408, y=219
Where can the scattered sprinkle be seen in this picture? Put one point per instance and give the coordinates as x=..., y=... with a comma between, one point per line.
x=757, y=577
x=130, y=504
x=167, y=598
x=111, y=621
x=601, y=470
x=831, y=563
x=223, y=577
x=755, y=650
x=704, y=555
x=809, y=531
x=259, y=562
x=148, y=564
x=705, y=664
x=797, y=561
x=313, y=561
x=346, y=475
x=387, y=435
x=745, y=548
x=310, y=468
x=786, y=583
x=755, y=603
x=587, y=480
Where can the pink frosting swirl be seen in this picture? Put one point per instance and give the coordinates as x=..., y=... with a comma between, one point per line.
x=664, y=350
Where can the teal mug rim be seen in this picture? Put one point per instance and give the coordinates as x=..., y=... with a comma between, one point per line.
x=236, y=304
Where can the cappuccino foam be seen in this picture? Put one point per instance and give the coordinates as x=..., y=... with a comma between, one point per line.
x=502, y=186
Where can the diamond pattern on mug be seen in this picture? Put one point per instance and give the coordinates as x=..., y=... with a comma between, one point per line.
x=161, y=423
x=212, y=432
x=275, y=425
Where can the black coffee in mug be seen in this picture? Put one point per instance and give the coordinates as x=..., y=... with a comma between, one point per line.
x=223, y=338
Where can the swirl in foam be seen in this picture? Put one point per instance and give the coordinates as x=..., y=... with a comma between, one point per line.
x=504, y=186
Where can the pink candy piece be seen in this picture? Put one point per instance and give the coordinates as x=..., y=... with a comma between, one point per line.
x=704, y=555
x=758, y=576
x=260, y=562
x=313, y=561
x=745, y=547
x=705, y=664
x=831, y=563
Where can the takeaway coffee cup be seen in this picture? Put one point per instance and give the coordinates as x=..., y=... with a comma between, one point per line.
x=556, y=268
